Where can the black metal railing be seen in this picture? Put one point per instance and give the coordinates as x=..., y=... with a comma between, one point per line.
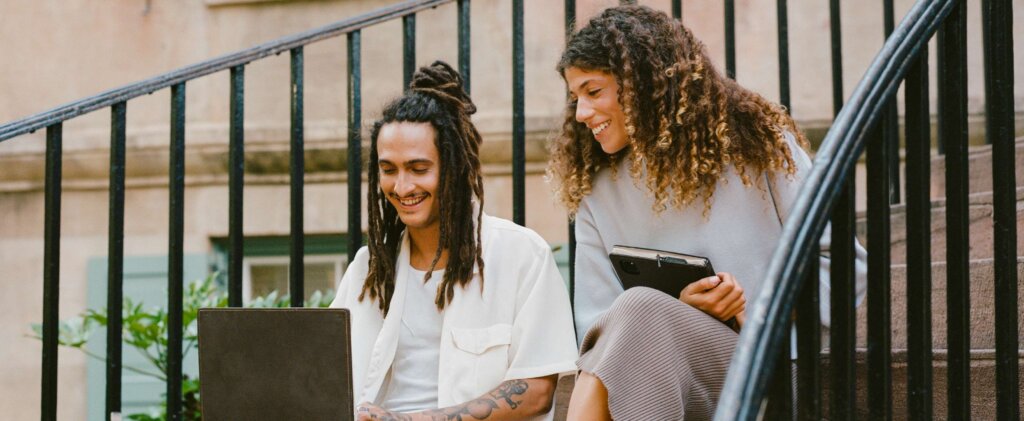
x=235, y=64
x=868, y=121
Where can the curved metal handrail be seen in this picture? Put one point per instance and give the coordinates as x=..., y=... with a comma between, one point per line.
x=224, y=62
x=758, y=346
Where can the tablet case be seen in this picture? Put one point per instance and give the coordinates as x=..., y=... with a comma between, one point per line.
x=666, y=271
x=275, y=364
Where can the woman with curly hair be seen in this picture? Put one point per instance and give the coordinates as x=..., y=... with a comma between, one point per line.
x=658, y=150
x=455, y=314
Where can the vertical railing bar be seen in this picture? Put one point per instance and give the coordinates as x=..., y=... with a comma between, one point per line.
x=518, y=121
x=878, y=291
x=780, y=397
x=409, y=49
x=355, y=155
x=891, y=120
x=940, y=94
x=175, y=278
x=953, y=130
x=843, y=331
x=782, y=17
x=997, y=24
x=115, y=259
x=730, y=39
x=464, y=43
x=51, y=270
x=677, y=10
x=236, y=184
x=918, y=211
x=296, y=261
x=570, y=22
x=837, y=56
x=808, y=345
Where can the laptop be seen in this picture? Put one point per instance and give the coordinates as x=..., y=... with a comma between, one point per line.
x=275, y=364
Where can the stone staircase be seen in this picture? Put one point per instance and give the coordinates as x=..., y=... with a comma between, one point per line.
x=983, y=395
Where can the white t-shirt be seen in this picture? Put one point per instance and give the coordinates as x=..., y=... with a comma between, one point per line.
x=412, y=383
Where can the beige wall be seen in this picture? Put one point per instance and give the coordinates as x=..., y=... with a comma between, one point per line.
x=56, y=51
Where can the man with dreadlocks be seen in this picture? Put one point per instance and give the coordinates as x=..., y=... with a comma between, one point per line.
x=456, y=315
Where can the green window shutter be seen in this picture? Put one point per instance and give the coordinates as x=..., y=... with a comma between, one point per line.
x=145, y=280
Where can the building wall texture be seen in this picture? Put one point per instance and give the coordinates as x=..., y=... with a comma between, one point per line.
x=57, y=51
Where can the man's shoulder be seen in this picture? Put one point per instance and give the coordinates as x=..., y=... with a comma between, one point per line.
x=510, y=234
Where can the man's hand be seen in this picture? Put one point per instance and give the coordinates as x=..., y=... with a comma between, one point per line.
x=719, y=296
x=369, y=412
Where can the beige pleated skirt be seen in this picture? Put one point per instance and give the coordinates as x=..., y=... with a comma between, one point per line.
x=659, y=358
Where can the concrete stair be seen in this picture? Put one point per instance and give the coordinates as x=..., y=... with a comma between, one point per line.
x=982, y=315
x=980, y=229
x=982, y=293
x=983, y=380
x=979, y=170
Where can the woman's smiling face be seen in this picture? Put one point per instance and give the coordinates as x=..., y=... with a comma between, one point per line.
x=596, y=94
x=410, y=172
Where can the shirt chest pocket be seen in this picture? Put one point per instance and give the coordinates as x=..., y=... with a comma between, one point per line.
x=482, y=359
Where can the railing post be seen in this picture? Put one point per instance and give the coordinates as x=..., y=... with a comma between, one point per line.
x=997, y=24
x=780, y=396
x=730, y=39
x=782, y=19
x=175, y=278
x=808, y=345
x=409, y=49
x=464, y=42
x=837, y=56
x=570, y=22
x=843, y=331
x=296, y=262
x=51, y=270
x=115, y=259
x=236, y=184
x=953, y=132
x=879, y=265
x=891, y=121
x=919, y=268
x=355, y=154
x=518, y=121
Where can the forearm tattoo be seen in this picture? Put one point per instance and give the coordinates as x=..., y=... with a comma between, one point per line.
x=480, y=408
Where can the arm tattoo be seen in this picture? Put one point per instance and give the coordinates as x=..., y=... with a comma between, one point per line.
x=483, y=407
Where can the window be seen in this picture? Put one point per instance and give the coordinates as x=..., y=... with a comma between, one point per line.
x=266, y=259
x=263, y=275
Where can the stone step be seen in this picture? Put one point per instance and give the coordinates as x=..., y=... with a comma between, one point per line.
x=983, y=381
x=980, y=228
x=979, y=170
x=981, y=312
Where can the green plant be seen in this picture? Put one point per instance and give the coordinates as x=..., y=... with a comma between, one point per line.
x=144, y=328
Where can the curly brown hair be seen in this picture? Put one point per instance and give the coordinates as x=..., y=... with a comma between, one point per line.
x=435, y=96
x=685, y=122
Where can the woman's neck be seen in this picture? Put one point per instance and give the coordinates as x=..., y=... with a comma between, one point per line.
x=423, y=244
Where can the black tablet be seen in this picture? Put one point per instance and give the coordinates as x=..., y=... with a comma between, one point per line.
x=665, y=271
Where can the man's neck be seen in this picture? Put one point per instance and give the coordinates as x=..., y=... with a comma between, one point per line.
x=423, y=244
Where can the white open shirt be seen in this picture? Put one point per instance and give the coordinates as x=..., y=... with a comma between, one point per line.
x=518, y=326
